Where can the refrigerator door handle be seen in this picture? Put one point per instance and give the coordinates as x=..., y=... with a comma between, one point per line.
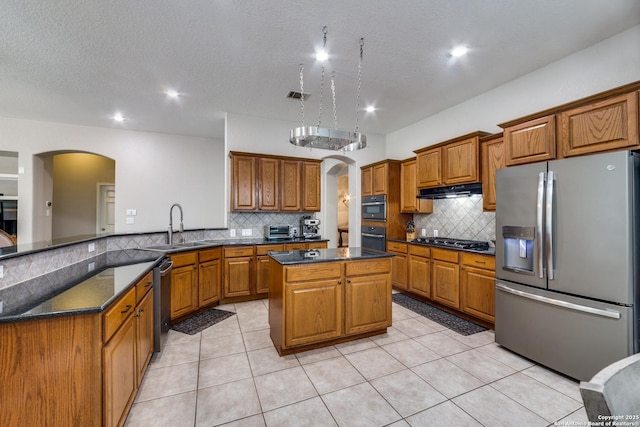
x=551, y=177
x=539, y=217
x=571, y=306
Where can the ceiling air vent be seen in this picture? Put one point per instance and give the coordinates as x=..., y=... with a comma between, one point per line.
x=297, y=95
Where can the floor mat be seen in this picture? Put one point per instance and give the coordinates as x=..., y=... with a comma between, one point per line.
x=201, y=321
x=455, y=323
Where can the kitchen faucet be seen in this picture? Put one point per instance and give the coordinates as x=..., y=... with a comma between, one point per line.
x=171, y=222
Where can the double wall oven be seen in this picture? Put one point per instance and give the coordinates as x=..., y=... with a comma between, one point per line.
x=374, y=208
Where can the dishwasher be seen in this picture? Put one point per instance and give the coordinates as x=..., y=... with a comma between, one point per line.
x=161, y=302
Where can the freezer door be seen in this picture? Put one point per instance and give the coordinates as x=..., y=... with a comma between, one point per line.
x=592, y=227
x=519, y=218
x=574, y=336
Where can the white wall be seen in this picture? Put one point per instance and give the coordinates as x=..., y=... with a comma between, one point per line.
x=611, y=63
x=153, y=171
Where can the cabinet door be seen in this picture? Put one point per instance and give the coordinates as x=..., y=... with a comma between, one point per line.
x=429, y=173
x=144, y=335
x=119, y=374
x=268, y=184
x=611, y=124
x=399, y=270
x=262, y=274
x=243, y=183
x=311, y=187
x=380, y=178
x=478, y=292
x=409, y=203
x=209, y=274
x=291, y=185
x=313, y=311
x=420, y=276
x=237, y=276
x=367, y=303
x=366, y=178
x=184, y=290
x=460, y=162
x=317, y=245
x=492, y=159
x=446, y=286
x=532, y=141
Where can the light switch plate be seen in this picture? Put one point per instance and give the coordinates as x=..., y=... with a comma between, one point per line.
x=91, y=247
x=130, y=220
x=132, y=212
x=246, y=232
x=232, y=233
x=1, y=271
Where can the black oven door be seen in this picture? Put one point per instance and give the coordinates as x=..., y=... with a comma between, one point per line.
x=374, y=238
x=374, y=208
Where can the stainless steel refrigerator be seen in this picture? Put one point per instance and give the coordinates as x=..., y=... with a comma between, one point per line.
x=567, y=248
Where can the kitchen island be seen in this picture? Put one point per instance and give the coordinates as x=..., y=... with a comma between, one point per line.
x=327, y=296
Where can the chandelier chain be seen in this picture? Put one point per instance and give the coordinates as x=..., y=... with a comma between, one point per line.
x=302, y=93
x=324, y=48
x=333, y=95
x=359, y=83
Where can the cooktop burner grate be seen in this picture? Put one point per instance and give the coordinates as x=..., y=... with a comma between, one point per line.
x=449, y=242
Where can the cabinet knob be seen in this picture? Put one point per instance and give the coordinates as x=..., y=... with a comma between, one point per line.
x=339, y=282
x=348, y=280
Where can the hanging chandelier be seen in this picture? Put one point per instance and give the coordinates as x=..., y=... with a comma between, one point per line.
x=324, y=137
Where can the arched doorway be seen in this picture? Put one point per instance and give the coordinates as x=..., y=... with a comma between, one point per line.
x=341, y=178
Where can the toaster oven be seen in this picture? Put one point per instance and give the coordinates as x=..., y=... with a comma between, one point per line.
x=277, y=232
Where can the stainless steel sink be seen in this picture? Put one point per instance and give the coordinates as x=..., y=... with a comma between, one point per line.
x=167, y=247
x=190, y=244
x=160, y=248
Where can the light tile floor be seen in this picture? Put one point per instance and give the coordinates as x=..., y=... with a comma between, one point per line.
x=418, y=374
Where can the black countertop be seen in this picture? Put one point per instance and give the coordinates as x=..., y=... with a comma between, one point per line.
x=491, y=251
x=326, y=255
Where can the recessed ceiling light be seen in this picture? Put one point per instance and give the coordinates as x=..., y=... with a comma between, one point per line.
x=370, y=109
x=118, y=117
x=172, y=93
x=459, y=51
x=322, y=55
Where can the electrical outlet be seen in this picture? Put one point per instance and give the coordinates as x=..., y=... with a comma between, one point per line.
x=92, y=247
x=246, y=232
x=130, y=220
x=423, y=232
x=435, y=233
x=1, y=271
x=232, y=232
x=132, y=212
x=92, y=266
x=1, y=306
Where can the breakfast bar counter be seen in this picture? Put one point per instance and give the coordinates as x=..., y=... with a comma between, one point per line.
x=327, y=296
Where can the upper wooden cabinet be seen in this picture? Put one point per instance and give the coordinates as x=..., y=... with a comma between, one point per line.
x=493, y=158
x=531, y=141
x=273, y=183
x=456, y=161
x=610, y=124
x=375, y=179
x=409, y=203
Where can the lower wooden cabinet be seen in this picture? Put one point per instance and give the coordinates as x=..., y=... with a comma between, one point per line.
x=446, y=277
x=238, y=271
x=375, y=290
x=209, y=276
x=262, y=266
x=184, y=284
x=144, y=335
x=477, y=286
x=420, y=270
x=399, y=264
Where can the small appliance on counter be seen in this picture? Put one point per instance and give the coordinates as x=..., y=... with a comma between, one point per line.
x=309, y=227
x=277, y=232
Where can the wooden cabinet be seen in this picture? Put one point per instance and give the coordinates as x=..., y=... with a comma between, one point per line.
x=456, y=161
x=209, y=276
x=366, y=181
x=238, y=271
x=261, y=183
x=144, y=335
x=311, y=186
x=420, y=270
x=477, y=286
x=262, y=266
x=399, y=264
x=318, y=304
x=610, y=124
x=409, y=203
x=493, y=158
x=291, y=191
x=375, y=179
x=268, y=184
x=184, y=284
x=531, y=141
x=445, y=277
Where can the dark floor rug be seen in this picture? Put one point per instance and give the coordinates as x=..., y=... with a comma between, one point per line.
x=201, y=321
x=453, y=322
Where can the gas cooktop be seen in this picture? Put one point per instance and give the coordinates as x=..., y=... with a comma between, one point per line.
x=448, y=242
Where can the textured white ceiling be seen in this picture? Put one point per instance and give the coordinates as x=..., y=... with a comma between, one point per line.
x=79, y=61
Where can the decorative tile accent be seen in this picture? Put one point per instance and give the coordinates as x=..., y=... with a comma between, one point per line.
x=460, y=218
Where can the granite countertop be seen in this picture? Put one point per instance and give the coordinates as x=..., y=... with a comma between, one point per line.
x=491, y=251
x=88, y=287
x=326, y=255
x=203, y=244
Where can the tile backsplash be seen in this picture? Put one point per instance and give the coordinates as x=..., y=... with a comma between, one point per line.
x=460, y=218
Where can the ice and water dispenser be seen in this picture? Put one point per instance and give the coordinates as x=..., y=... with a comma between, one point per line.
x=519, y=243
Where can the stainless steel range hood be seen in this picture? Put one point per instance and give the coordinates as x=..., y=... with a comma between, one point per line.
x=462, y=190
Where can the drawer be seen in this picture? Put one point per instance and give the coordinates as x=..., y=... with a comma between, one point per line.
x=184, y=258
x=210, y=254
x=143, y=286
x=361, y=268
x=317, y=245
x=118, y=313
x=397, y=247
x=423, y=251
x=295, y=246
x=444, y=255
x=238, y=251
x=480, y=261
x=263, y=249
x=306, y=272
